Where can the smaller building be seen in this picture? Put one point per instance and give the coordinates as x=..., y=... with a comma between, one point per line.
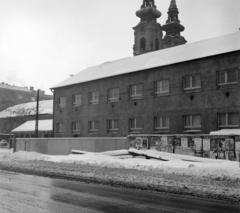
x=27, y=130
x=14, y=116
x=11, y=95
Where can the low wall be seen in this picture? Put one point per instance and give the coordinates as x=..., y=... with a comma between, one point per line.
x=63, y=146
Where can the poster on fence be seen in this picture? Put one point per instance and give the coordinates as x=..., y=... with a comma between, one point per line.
x=198, y=144
x=184, y=143
x=206, y=144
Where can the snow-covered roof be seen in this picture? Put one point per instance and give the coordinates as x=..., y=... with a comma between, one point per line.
x=226, y=132
x=182, y=53
x=29, y=126
x=11, y=87
x=45, y=107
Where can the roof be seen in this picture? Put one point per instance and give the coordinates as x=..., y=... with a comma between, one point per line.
x=182, y=53
x=45, y=107
x=29, y=126
x=226, y=132
x=11, y=87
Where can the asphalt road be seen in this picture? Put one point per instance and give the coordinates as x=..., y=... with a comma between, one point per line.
x=24, y=194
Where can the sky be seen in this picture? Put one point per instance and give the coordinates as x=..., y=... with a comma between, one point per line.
x=43, y=42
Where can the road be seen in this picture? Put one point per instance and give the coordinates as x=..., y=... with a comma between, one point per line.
x=31, y=194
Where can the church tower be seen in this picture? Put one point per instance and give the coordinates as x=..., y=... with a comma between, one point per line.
x=148, y=33
x=173, y=28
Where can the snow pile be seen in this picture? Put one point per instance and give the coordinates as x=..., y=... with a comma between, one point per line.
x=176, y=164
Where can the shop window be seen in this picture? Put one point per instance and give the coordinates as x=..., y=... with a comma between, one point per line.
x=135, y=125
x=76, y=127
x=161, y=124
x=113, y=95
x=227, y=77
x=228, y=120
x=93, y=127
x=192, y=123
x=61, y=102
x=94, y=97
x=192, y=83
x=162, y=88
x=60, y=127
x=76, y=100
x=113, y=126
x=136, y=91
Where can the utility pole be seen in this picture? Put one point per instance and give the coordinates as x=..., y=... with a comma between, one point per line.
x=37, y=109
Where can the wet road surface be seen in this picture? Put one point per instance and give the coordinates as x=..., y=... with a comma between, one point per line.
x=31, y=194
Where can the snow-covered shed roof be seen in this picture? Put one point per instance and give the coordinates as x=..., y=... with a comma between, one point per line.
x=226, y=132
x=182, y=53
x=29, y=126
x=45, y=107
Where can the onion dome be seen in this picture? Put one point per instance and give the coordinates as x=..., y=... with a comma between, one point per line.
x=148, y=11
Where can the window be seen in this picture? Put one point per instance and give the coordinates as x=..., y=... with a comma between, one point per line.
x=192, y=123
x=60, y=127
x=228, y=120
x=20, y=97
x=142, y=44
x=77, y=100
x=113, y=126
x=113, y=95
x=161, y=124
x=135, y=125
x=61, y=102
x=94, y=97
x=227, y=77
x=162, y=87
x=93, y=126
x=157, y=44
x=192, y=83
x=76, y=128
x=136, y=91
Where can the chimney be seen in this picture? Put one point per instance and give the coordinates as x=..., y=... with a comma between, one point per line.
x=32, y=88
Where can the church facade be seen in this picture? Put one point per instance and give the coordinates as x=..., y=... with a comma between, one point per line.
x=161, y=90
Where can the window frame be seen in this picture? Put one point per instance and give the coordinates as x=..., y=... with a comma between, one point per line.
x=112, y=130
x=93, y=131
x=94, y=101
x=113, y=99
x=161, y=92
x=225, y=78
x=161, y=128
x=191, y=88
x=191, y=127
x=135, y=129
x=74, y=103
x=61, y=102
x=136, y=96
x=227, y=120
x=75, y=125
x=60, y=127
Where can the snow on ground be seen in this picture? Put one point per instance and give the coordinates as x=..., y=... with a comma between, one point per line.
x=180, y=164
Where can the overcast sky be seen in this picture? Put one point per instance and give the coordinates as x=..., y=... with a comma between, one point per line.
x=42, y=42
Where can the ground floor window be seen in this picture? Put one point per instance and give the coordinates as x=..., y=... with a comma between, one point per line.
x=192, y=123
x=228, y=120
x=113, y=126
x=135, y=125
x=161, y=124
x=93, y=126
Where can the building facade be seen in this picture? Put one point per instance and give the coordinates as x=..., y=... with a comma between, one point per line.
x=174, y=91
x=12, y=95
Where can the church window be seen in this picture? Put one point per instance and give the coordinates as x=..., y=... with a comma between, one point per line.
x=143, y=44
x=157, y=44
